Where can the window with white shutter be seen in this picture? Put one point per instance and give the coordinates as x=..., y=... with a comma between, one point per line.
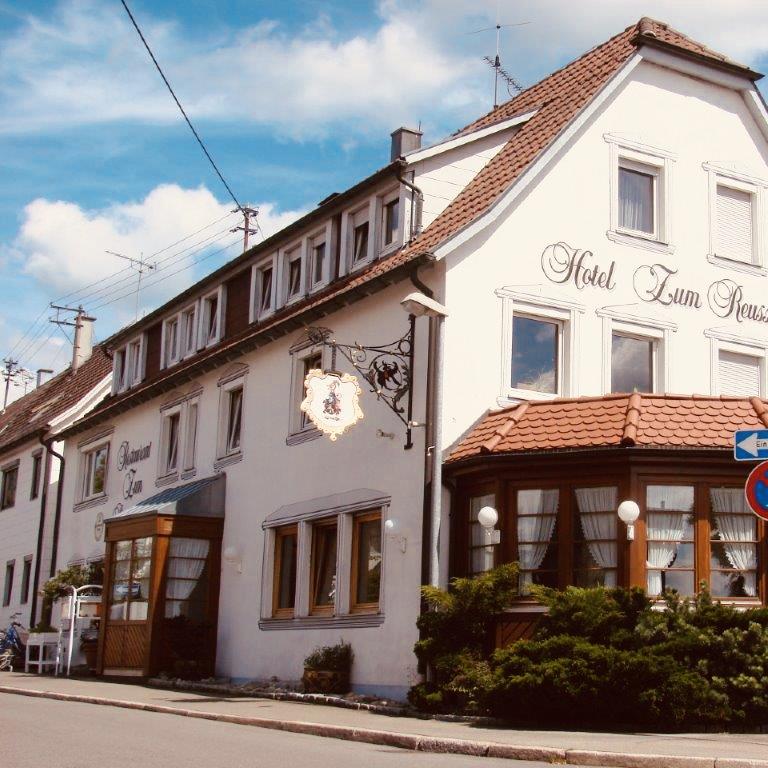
x=734, y=239
x=738, y=374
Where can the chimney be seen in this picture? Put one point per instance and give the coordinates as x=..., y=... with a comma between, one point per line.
x=404, y=140
x=83, y=343
x=43, y=374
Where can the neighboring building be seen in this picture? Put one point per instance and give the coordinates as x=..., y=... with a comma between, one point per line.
x=602, y=232
x=30, y=468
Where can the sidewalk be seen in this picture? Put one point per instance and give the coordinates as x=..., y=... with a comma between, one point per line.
x=634, y=750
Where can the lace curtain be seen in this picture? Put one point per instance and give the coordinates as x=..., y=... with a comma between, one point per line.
x=736, y=525
x=635, y=200
x=593, y=502
x=665, y=529
x=535, y=532
x=187, y=559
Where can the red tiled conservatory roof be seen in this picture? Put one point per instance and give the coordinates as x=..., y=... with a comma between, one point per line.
x=628, y=420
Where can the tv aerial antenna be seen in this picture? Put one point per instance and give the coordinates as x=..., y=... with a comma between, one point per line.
x=139, y=265
x=513, y=86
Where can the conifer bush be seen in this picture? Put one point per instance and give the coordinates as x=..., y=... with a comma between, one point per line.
x=606, y=658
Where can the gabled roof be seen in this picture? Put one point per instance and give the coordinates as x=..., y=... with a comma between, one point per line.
x=557, y=100
x=30, y=416
x=619, y=421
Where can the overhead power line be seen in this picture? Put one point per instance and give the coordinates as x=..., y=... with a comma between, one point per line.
x=181, y=109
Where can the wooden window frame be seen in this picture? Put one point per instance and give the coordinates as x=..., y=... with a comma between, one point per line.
x=9, y=469
x=314, y=608
x=357, y=522
x=10, y=575
x=26, y=580
x=490, y=491
x=280, y=534
x=129, y=598
x=37, y=475
x=577, y=532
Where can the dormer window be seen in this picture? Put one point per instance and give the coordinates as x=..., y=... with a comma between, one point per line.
x=318, y=262
x=265, y=289
x=128, y=365
x=293, y=274
x=119, y=370
x=171, y=341
x=390, y=221
x=212, y=318
x=360, y=242
x=189, y=331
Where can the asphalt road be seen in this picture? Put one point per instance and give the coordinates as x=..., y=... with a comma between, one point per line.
x=57, y=734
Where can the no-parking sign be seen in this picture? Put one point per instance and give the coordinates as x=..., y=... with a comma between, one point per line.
x=756, y=490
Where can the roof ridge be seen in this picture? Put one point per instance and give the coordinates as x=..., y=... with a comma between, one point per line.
x=761, y=410
x=632, y=419
x=501, y=432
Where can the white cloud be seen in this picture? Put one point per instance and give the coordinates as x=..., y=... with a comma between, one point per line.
x=61, y=246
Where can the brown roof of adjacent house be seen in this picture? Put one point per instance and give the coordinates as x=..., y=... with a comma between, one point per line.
x=558, y=99
x=30, y=416
x=628, y=420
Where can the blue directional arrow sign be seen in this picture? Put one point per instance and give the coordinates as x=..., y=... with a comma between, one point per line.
x=750, y=445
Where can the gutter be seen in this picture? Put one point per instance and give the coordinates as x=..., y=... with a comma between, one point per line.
x=59, y=497
x=40, y=531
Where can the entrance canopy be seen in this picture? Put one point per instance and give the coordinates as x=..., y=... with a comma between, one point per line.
x=201, y=498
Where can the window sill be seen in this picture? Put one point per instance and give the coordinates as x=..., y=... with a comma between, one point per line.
x=638, y=241
x=323, y=622
x=92, y=502
x=304, y=436
x=515, y=396
x=187, y=474
x=166, y=479
x=226, y=461
x=737, y=266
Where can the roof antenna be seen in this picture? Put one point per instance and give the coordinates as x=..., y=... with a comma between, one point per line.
x=499, y=71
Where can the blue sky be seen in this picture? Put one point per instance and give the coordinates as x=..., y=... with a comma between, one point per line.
x=294, y=99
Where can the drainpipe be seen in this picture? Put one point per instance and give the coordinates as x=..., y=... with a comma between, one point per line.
x=46, y=478
x=57, y=515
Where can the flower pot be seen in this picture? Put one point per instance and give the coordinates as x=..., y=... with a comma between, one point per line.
x=90, y=649
x=325, y=681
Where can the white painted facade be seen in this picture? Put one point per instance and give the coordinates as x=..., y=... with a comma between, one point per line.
x=691, y=130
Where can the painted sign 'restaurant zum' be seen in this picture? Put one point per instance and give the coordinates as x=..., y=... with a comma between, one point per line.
x=653, y=283
x=333, y=401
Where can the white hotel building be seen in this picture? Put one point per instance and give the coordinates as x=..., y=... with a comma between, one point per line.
x=599, y=242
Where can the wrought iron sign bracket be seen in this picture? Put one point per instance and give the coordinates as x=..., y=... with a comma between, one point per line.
x=386, y=368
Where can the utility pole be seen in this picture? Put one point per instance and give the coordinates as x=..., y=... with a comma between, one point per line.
x=9, y=373
x=140, y=265
x=248, y=214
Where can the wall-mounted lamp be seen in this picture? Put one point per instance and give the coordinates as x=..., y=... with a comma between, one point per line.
x=488, y=517
x=392, y=528
x=628, y=512
x=231, y=555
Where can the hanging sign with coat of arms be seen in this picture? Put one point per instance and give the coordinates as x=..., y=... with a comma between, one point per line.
x=332, y=401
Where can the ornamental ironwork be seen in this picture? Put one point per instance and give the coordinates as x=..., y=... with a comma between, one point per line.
x=387, y=369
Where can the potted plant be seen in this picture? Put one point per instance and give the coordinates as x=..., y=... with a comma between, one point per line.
x=326, y=669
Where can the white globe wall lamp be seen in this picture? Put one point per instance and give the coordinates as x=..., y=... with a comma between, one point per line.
x=628, y=513
x=488, y=517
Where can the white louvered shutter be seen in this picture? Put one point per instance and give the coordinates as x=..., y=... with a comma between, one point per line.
x=734, y=224
x=739, y=374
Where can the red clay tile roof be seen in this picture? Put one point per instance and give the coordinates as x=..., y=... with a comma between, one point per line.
x=30, y=415
x=558, y=98
x=645, y=421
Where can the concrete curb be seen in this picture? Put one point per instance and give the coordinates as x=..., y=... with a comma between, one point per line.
x=417, y=742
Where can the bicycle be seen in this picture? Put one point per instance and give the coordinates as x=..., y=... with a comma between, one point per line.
x=11, y=646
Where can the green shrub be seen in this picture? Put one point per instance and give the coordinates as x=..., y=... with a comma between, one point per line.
x=331, y=658
x=609, y=657
x=454, y=638
x=75, y=576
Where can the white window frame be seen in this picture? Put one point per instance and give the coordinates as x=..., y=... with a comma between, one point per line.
x=634, y=155
x=300, y=430
x=723, y=340
x=163, y=470
x=187, y=349
x=85, y=453
x=397, y=240
x=638, y=327
x=169, y=359
x=188, y=450
x=203, y=340
x=566, y=313
x=322, y=237
x=758, y=188
x=296, y=251
x=256, y=311
x=344, y=516
x=349, y=221
x=227, y=385
x=121, y=378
